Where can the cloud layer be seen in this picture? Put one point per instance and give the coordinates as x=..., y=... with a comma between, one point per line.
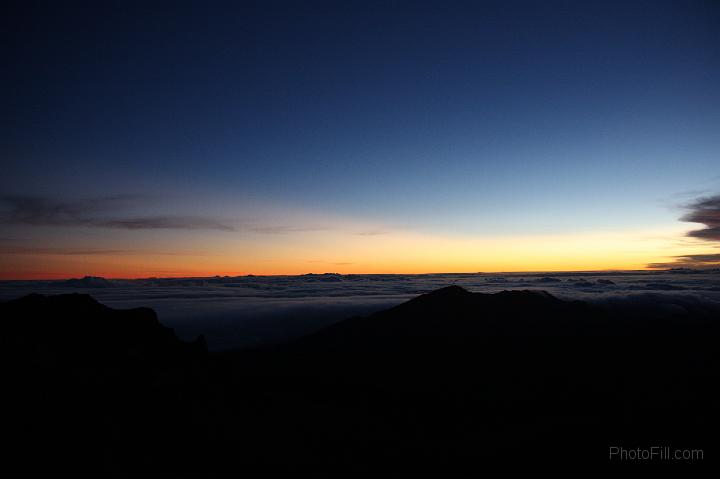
x=242, y=311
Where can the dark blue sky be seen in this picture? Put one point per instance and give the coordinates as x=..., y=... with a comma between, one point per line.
x=471, y=117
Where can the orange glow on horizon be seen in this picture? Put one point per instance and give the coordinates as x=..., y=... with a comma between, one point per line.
x=392, y=253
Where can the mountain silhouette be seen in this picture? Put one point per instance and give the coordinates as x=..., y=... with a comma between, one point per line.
x=90, y=388
x=74, y=328
x=490, y=376
x=88, y=282
x=456, y=315
x=446, y=383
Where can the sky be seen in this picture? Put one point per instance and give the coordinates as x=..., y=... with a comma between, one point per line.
x=200, y=138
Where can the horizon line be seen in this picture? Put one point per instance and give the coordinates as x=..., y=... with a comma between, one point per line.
x=529, y=272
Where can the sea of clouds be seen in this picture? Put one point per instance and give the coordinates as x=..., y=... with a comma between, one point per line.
x=247, y=311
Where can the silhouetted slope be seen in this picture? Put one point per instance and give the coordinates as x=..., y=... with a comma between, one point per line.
x=456, y=315
x=445, y=384
x=93, y=390
x=492, y=376
x=76, y=328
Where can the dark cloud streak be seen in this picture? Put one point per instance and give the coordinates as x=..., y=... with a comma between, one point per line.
x=20, y=250
x=695, y=261
x=166, y=222
x=95, y=213
x=284, y=229
x=705, y=211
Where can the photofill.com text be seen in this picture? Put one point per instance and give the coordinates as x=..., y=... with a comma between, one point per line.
x=655, y=453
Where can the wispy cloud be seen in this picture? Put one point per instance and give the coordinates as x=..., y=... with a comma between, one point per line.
x=90, y=251
x=283, y=229
x=695, y=261
x=22, y=250
x=705, y=211
x=334, y=263
x=104, y=212
x=120, y=212
x=165, y=222
x=376, y=232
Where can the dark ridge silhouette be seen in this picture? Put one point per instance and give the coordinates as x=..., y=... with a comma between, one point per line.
x=90, y=388
x=74, y=328
x=446, y=383
x=88, y=282
x=455, y=315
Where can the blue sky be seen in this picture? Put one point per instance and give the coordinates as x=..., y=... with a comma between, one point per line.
x=499, y=118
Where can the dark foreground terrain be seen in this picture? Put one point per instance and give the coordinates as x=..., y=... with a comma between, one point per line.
x=447, y=383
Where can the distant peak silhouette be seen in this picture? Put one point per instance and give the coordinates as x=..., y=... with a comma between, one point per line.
x=89, y=282
x=447, y=292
